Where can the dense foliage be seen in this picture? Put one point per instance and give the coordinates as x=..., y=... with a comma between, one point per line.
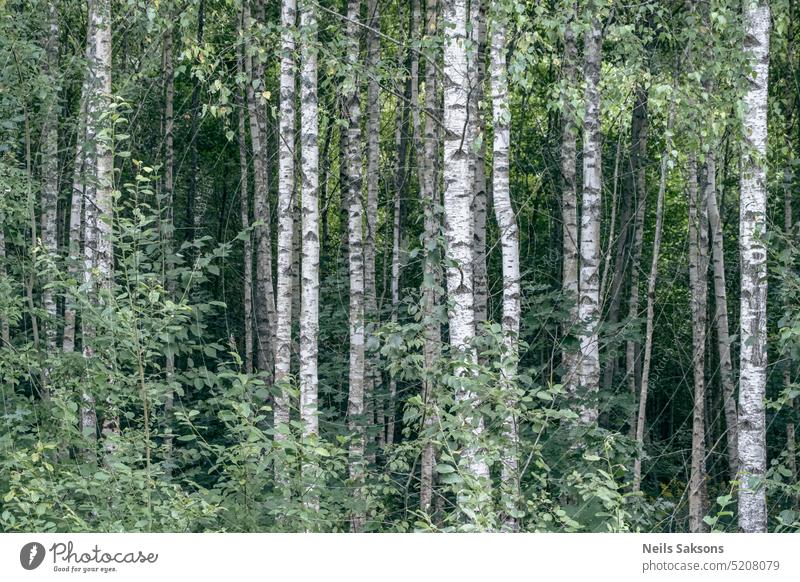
x=185, y=437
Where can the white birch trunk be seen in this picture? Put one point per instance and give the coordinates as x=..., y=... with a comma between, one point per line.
x=591, y=208
x=373, y=173
x=259, y=139
x=698, y=279
x=509, y=240
x=753, y=307
x=429, y=193
x=49, y=198
x=283, y=330
x=570, y=358
x=477, y=117
x=459, y=223
x=355, y=404
x=309, y=172
x=244, y=212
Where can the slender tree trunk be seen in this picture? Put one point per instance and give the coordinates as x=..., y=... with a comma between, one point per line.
x=638, y=156
x=569, y=204
x=373, y=173
x=698, y=269
x=309, y=308
x=721, y=315
x=98, y=255
x=753, y=310
x=82, y=187
x=651, y=297
x=259, y=139
x=509, y=240
x=168, y=229
x=355, y=405
x=5, y=330
x=244, y=211
x=788, y=229
x=429, y=194
x=476, y=97
x=283, y=330
x=49, y=198
x=403, y=122
x=591, y=209
x=459, y=223
x=190, y=222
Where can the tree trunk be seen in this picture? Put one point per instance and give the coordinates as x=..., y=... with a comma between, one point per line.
x=509, y=240
x=638, y=155
x=244, y=211
x=168, y=229
x=309, y=172
x=190, y=217
x=259, y=139
x=49, y=198
x=753, y=310
x=429, y=194
x=476, y=97
x=5, y=331
x=721, y=315
x=283, y=330
x=591, y=209
x=788, y=228
x=569, y=204
x=373, y=173
x=82, y=187
x=698, y=280
x=459, y=223
x=355, y=245
x=98, y=255
x=651, y=297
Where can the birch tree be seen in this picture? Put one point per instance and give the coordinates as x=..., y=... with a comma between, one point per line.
x=478, y=156
x=509, y=240
x=569, y=199
x=309, y=172
x=698, y=281
x=429, y=195
x=753, y=252
x=264, y=296
x=591, y=207
x=355, y=246
x=49, y=198
x=373, y=169
x=244, y=213
x=286, y=168
x=98, y=255
x=459, y=223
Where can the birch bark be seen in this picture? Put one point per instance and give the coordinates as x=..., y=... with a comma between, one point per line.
x=698, y=280
x=49, y=198
x=309, y=172
x=509, y=240
x=283, y=329
x=591, y=208
x=429, y=193
x=569, y=201
x=355, y=246
x=753, y=298
x=459, y=222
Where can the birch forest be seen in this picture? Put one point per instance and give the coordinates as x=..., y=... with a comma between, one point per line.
x=399, y=265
